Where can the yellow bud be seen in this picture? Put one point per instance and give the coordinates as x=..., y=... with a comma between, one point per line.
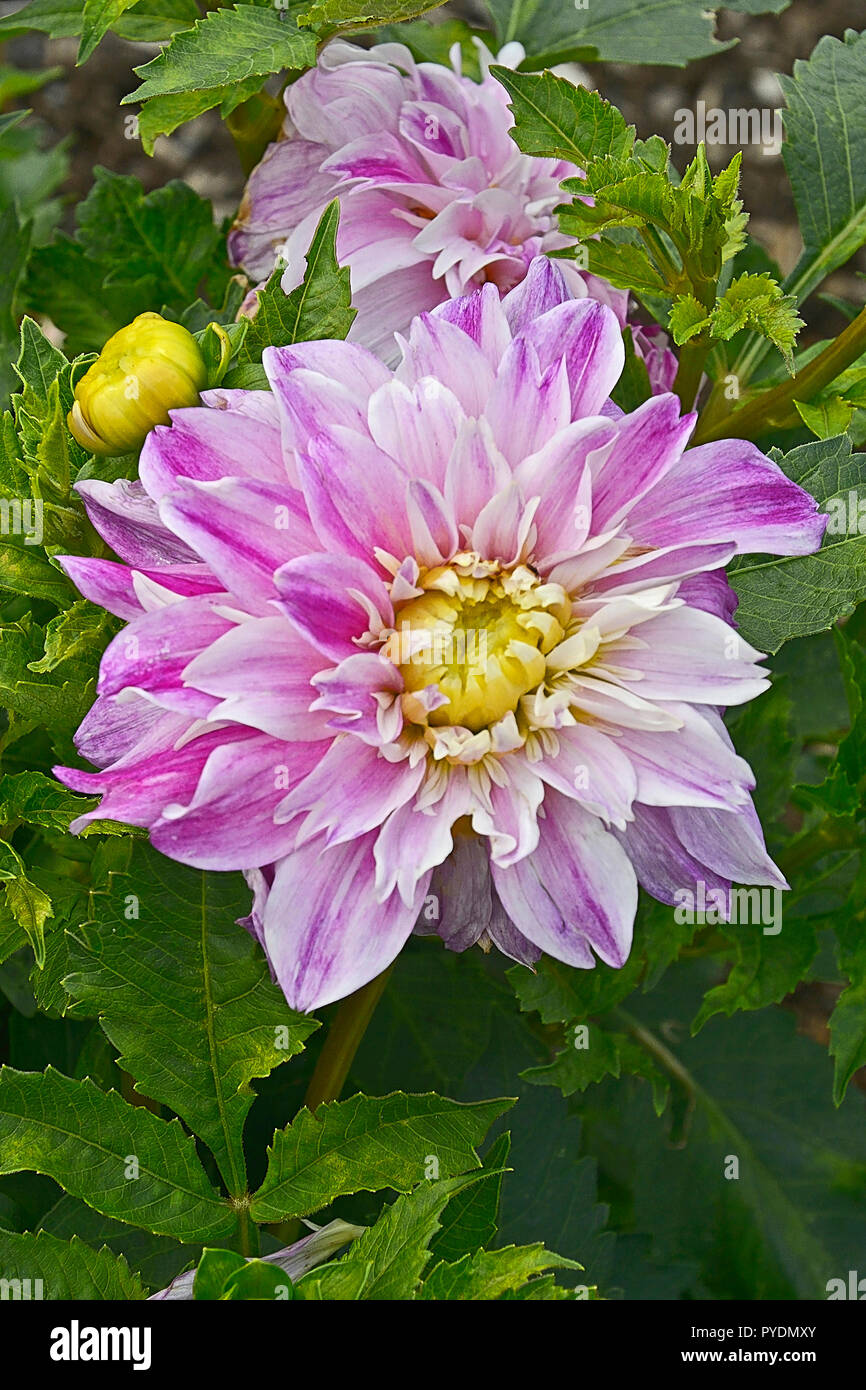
x=147, y=369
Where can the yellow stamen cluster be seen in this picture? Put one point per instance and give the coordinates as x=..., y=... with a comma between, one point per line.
x=480, y=634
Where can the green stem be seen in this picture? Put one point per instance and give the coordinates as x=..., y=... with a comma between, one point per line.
x=774, y=409
x=689, y=372
x=335, y=1059
x=343, y=1040
x=248, y=1231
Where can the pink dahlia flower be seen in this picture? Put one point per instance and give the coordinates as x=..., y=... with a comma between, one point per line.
x=436, y=199
x=441, y=647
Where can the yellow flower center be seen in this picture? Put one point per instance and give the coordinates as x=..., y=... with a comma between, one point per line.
x=480, y=634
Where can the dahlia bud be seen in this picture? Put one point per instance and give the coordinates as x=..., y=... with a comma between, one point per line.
x=145, y=370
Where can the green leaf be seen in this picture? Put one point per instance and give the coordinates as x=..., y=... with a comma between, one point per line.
x=825, y=418
x=226, y=46
x=156, y=1259
x=388, y=1260
x=367, y=1143
x=793, y=596
x=766, y=968
x=489, y=1274
x=80, y=633
x=260, y=1281
x=554, y=118
x=688, y=318
x=15, y=237
x=161, y=115
x=30, y=907
x=97, y=17
x=320, y=307
x=670, y=32
x=470, y=1219
x=825, y=156
x=66, y=1269
x=185, y=995
x=93, y=1143
x=843, y=792
x=758, y=302
x=848, y=1019
x=148, y=21
x=166, y=238
x=782, y=1221
x=356, y=14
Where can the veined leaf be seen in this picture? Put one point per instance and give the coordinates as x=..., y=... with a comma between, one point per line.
x=825, y=155
x=368, y=1143
x=670, y=32
x=66, y=1268
x=147, y=21
x=489, y=1274
x=792, y=596
x=97, y=17
x=362, y=14
x=119, y=1158
x=185, y=995
x=320, y=307
x=226, y=46
x=388, y=1260
x=554, y=118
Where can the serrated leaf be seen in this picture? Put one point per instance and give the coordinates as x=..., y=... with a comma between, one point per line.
x=792, y=596
x=766, y=968
x=368, y=1143
x=86, y=1140
x=489, y=1274
x=185, y=995
x=226, y=46
x=80, y=633
x=148, y=21
x=470, y=1218
x=688, y=318
x=758, y=302
x=357, y=14
x=163, y=114
x=825, y=418
x=66, y=1269
x=320, y=307
x=166, y=238
x=388, y=1260
x=825, y=156
x=97, y=17
x=670, y=32
x=554, y=118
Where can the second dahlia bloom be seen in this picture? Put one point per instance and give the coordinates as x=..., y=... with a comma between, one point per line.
x=435, y=197
x=441, y=647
